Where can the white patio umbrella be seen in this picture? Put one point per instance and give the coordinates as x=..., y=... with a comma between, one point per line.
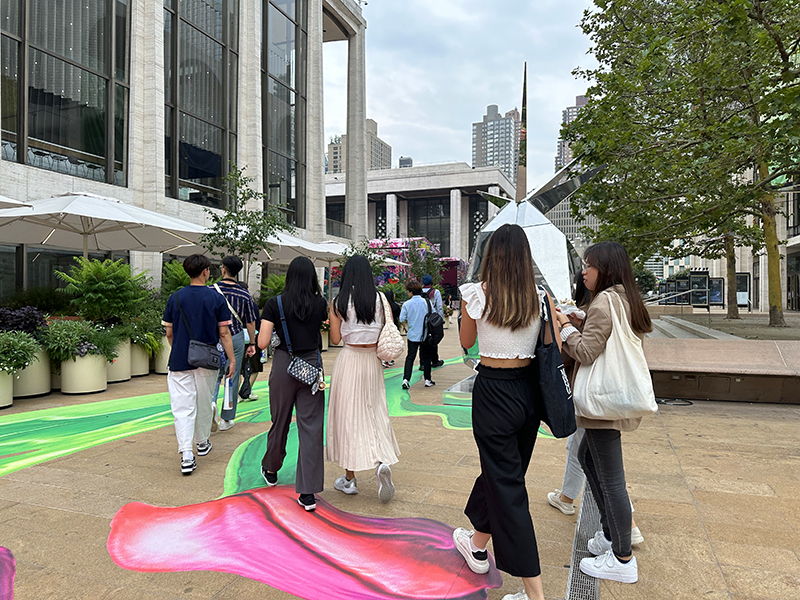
x=84, y=221
x=9, y=203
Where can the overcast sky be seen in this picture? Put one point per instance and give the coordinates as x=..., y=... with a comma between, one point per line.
x=434, y=65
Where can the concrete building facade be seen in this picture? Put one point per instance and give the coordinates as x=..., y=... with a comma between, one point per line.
x=495, y=141
x=151, y=104
x=379, y=154
x=439, y=202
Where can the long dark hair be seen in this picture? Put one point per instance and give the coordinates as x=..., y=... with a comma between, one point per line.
x=582, y=295
x=358, y=285
x=302, y=288
x=614, y=268
x=507, y=270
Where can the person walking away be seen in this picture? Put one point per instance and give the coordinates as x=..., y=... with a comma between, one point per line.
x=435, y=296
x=195, y=312
x=360, y=434
x=503, y=310
x=607, y=273
x=304, y=310
x=413, y=313
x=395, y=308
x=241, y=305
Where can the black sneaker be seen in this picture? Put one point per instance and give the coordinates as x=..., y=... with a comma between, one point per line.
x=203, y=448
x=270, y=478
x=307, y=501
x=187, y=466
x=437, y=364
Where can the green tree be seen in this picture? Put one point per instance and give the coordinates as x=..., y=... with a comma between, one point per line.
x=363, y=248
x=645, y=279
x=239, y=231
x=694, y=111
x=422, y=262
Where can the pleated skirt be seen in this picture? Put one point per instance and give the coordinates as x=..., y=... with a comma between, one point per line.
x=360, y=434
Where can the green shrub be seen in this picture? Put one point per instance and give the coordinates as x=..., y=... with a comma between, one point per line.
x=17, y=350
x=49, y=300
x=105, y=292
x=173, y=278
x=400, y=293
x=65, y=340
x=146, y=330
x=271, y=287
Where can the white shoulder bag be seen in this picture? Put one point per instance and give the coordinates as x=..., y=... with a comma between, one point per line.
x=617, y=385
x=390, y=343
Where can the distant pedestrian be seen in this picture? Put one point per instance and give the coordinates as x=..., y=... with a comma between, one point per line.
x=435, y=296
x=395, y=308
x=413, y=312
x=304, y=310
x=607, y=273
x=360, y=434
x=243, y=331
x=195, y=312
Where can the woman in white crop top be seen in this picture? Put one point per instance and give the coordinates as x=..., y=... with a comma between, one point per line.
x=360, y=434
x=502, y=312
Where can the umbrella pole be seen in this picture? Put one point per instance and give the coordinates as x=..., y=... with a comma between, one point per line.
x=85, y=246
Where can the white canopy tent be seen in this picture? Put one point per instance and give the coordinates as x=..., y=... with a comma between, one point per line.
x=88, y=222
x=9, y=203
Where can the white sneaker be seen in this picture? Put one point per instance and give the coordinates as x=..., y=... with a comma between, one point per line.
x=385, y=485
x=225, y=425
x=520, y=595
x=429, y=383
x=607, y=566
x=343, y=485
x=478, y=562
x=636, y=536
x=405, y=384
x=554, y=498
x=599, y=544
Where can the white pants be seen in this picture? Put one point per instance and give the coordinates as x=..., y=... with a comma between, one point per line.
x=190, y=399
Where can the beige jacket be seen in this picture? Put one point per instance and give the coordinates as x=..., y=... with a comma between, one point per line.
x=585, y=346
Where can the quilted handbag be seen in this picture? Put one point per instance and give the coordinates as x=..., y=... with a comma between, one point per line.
x=617, y=385
x=390, y=342
x=298, y=368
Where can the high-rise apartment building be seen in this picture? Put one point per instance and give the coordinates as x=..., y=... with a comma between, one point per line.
x=379, y=155
x=561, y=215
x=495, y=141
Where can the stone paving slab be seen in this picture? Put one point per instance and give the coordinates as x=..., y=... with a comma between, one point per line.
x=715, y=487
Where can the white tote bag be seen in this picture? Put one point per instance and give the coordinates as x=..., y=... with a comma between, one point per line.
x=390, y=344
x=617, y=385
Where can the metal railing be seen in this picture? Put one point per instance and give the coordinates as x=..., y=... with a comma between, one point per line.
x=338, y=229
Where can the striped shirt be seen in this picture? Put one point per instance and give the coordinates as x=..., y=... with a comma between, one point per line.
x=242, y=303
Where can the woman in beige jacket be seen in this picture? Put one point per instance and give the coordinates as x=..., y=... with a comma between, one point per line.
x=607, y=273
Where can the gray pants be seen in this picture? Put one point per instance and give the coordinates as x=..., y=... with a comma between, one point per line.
x=600, y=454
x=286, y=392
x=238, y=354
x=573, y=473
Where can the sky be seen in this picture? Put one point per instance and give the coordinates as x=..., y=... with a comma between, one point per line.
x=433, y=66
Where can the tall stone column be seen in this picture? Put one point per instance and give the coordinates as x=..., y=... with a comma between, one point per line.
x=315, y=129
x=455, y=223
x=372, y=218
x=402, y=212
x=391, y=215
x=356, y=167
x=466, y=232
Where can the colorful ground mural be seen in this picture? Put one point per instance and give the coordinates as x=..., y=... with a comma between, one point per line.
x=385, y=558
x=7, y=571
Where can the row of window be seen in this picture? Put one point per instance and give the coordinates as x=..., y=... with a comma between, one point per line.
x=65, y=93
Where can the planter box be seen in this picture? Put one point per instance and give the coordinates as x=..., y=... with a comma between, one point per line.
x=55, y=381
x=120, y=369
x=84, y=375
x=140, y=362
x=325, y=340
x=34, y=380
x=6, y=389
x=162, y=358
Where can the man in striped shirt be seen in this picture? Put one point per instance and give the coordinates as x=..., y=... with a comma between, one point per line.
x=241, y=304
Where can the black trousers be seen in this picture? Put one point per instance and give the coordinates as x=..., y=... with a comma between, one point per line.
x=286, y=393
x=600, y=455
x=505, y=424
x=424, y=359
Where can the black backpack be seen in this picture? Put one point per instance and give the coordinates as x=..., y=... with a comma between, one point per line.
x=432, y=326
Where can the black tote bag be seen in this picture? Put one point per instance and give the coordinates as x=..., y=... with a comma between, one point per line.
x=556, y=394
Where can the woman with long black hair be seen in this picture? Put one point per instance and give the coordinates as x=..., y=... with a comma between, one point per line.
x=503, y=310
x=360, y=434
x=304, y=309
x=607, y=273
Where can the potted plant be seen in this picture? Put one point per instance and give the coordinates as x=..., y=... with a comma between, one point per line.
x=17, y=351
x=33, y=380
x=448, y=312
x=147, y=335
x=79, y=351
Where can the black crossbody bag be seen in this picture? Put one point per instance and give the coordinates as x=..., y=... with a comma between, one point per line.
x=298, y=368
x=201, y=355
x=556, y=395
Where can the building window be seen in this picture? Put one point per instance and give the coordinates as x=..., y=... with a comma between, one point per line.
x=65, y=87
x=430, y=218
x=380, y=219
x=478, y=215
x=200, y=92
x=284, y=105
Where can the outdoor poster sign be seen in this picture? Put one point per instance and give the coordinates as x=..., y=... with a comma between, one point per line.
x=699, y=293
x=742, y=289
x=716, y=294
x=671, y=290
x=682, y=284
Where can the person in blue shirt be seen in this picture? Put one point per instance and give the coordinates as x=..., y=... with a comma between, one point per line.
x=413, y=313
x=435, y=296
x=190, y=388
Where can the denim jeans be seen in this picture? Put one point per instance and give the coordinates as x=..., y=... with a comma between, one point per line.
x=238, y=354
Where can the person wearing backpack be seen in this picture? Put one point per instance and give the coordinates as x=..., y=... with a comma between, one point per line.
x=428, y=291
x=415, y=312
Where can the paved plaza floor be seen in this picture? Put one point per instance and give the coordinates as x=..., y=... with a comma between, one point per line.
x=716, y=488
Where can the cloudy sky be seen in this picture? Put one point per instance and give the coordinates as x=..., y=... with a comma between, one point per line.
x=434, y=65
